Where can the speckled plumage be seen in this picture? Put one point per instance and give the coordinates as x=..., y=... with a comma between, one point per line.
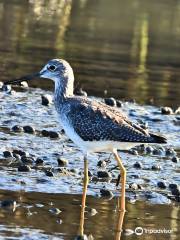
x=95, y=121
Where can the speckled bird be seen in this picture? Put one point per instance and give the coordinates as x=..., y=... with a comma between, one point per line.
x=90, y=124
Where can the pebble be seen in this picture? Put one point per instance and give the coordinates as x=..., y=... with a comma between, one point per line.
x=166, y=110
x=1, y=85
x=24, y=84
x=175, y=159
x=49, y=173
x=62, y=162
x=161, y=185
x=137, y=165
x=17, y=156
x=29, y=129
x=175, y=191
x=79, y=237
x=39, y=161
x=177, y=110
x=173, y=186
x=7, y=154
x=149, y=149
x=81, y=92
x=106, y=193
x=55, y=211
x=92, y=212
x=170, y=152
x=103, y=174
x=110, y=102
x=9, y=204
x=101, y=163
x=24, y=168
x=20, y=152
x=6, y=88
x=134, y=152
x=17, y=128
x=119, y=103
x=156, y=167
x=53, y=134
x=133, y=186
x=27, y=160
x=45, y=133
x=157, y=151
x=46, y=99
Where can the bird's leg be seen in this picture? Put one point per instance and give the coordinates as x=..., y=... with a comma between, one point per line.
x=85, y=184
x=119, y=224
x=123, y=181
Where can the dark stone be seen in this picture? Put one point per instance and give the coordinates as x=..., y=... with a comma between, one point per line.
x=166, y=110
x=103, y=174
x=29, y=129
x=101, y=163
x=110, y=102
x=53, y=134
x=134, y=152
x=149, y=149
x=9, y=204
x=90, y=174
x=106, y=193
x=20, y=152
x=39, y=161
x=7, y=154
x=119, y=103
x=17, y=128
x=17, y=156
x=46, y=99
x=170, y=152
x=6, y=88
x=45, y=133
x=79, y=237
x=173, y=186
x=175, y=191
x=49, y=173
x=137, y=165
x=156, y=167
x=157, y=152
x=24, y=168
x=62, y=162
x=161, y=185
x=27, y=160
x=175, y=159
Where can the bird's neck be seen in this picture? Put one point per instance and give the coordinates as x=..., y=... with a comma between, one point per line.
x=63, y=89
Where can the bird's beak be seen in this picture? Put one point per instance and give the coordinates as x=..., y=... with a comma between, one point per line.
x=25, y=78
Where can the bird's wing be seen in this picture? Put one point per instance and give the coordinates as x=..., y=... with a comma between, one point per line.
x=94, y=121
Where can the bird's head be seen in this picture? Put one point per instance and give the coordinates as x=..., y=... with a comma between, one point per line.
x=56, y=70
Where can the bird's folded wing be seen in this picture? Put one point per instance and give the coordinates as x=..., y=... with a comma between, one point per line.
x=94, y=121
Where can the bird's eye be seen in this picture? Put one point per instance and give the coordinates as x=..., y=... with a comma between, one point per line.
x=52, y=68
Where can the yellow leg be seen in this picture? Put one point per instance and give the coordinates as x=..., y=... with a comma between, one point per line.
x=123, y=181
x=86, y=180
x=119, y=224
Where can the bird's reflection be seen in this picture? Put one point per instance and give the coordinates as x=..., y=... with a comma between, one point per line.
x=118, y=228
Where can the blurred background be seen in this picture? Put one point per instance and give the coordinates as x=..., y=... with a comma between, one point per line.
x=129, y=48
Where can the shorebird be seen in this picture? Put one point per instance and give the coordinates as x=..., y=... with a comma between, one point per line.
x=90, y=124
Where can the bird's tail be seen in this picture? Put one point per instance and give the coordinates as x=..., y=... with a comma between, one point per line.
x=158, y=138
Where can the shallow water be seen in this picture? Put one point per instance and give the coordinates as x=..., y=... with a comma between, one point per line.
x=131, y=49
x=33, y=219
